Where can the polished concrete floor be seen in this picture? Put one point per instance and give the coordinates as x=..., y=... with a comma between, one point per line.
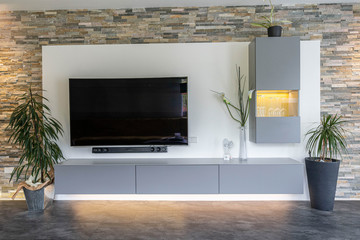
x=179, y=220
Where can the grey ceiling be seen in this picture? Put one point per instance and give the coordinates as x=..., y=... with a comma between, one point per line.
x=102, y=4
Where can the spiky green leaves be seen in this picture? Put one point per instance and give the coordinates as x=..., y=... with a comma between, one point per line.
x=36, y=132
x=328, y=140
x=269, y=21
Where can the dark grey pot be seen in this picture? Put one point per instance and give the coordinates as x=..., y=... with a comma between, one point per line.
x=322, y=179
x=34, y=199
x=274, y=31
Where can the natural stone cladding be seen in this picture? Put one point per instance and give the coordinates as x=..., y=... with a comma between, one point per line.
x=23, y=33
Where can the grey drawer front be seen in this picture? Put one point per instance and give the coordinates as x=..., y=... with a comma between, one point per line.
x=95, y=179
x=278, y=63
x=264, y=179
x=277, y=129
x=184, y=179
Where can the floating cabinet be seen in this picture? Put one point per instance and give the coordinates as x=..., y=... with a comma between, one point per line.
x=179, y=176
x=274, y=74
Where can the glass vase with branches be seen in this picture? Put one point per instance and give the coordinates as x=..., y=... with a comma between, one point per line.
x=239, y=113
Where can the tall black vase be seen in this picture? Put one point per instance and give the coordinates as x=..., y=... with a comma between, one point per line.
x=274, y=31
x=322, y=178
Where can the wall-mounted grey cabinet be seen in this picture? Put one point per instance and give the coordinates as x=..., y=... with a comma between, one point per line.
x=274, y=74
x=179, y=176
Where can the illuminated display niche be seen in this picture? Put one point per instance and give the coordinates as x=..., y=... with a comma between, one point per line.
x=277, y=103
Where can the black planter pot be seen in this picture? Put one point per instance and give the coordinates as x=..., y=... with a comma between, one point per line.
x=34, y=199
x=322, y=179
x=38, y=200
x=274, y=31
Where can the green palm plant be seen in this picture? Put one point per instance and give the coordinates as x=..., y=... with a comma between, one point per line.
x=35, y=132
x=269, y=21
x=327, y=140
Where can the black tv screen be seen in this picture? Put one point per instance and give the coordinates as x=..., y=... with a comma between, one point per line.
x=128, y=111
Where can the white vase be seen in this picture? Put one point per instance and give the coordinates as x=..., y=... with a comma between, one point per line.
x=243, y=148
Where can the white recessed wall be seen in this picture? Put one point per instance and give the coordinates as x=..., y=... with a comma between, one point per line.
x=208, y=66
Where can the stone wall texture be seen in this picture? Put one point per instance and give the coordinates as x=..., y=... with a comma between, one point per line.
x=23, y=33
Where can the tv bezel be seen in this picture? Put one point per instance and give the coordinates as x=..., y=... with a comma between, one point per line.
x=130, y=145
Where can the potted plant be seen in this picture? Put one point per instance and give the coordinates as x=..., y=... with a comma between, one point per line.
x=326, y=142
x=242, y=110
x=273, y=27
x=35, y=132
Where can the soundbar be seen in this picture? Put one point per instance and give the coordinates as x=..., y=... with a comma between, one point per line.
x=154, y=149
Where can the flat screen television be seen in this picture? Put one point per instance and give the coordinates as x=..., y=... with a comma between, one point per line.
x=128, y=111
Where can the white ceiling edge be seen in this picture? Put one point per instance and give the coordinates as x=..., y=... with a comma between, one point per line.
x=13, y=5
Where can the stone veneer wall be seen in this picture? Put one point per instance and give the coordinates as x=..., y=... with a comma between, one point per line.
x=23, y=33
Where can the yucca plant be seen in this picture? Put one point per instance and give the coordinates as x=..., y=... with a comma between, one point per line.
x=325, y=144
x=328, y=140
x=269, y=21
x=35, y=132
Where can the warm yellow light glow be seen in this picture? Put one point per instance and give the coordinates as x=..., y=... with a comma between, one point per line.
x=277, y=103
x=180, y=197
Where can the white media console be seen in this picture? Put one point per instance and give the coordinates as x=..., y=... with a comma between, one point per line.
x=179, y=176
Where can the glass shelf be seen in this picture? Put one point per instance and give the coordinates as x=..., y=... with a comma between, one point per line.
x=277, y=103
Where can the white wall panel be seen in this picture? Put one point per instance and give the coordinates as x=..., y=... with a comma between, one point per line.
x=208, y=66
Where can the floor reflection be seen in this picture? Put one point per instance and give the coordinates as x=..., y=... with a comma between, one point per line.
x=179, y=220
